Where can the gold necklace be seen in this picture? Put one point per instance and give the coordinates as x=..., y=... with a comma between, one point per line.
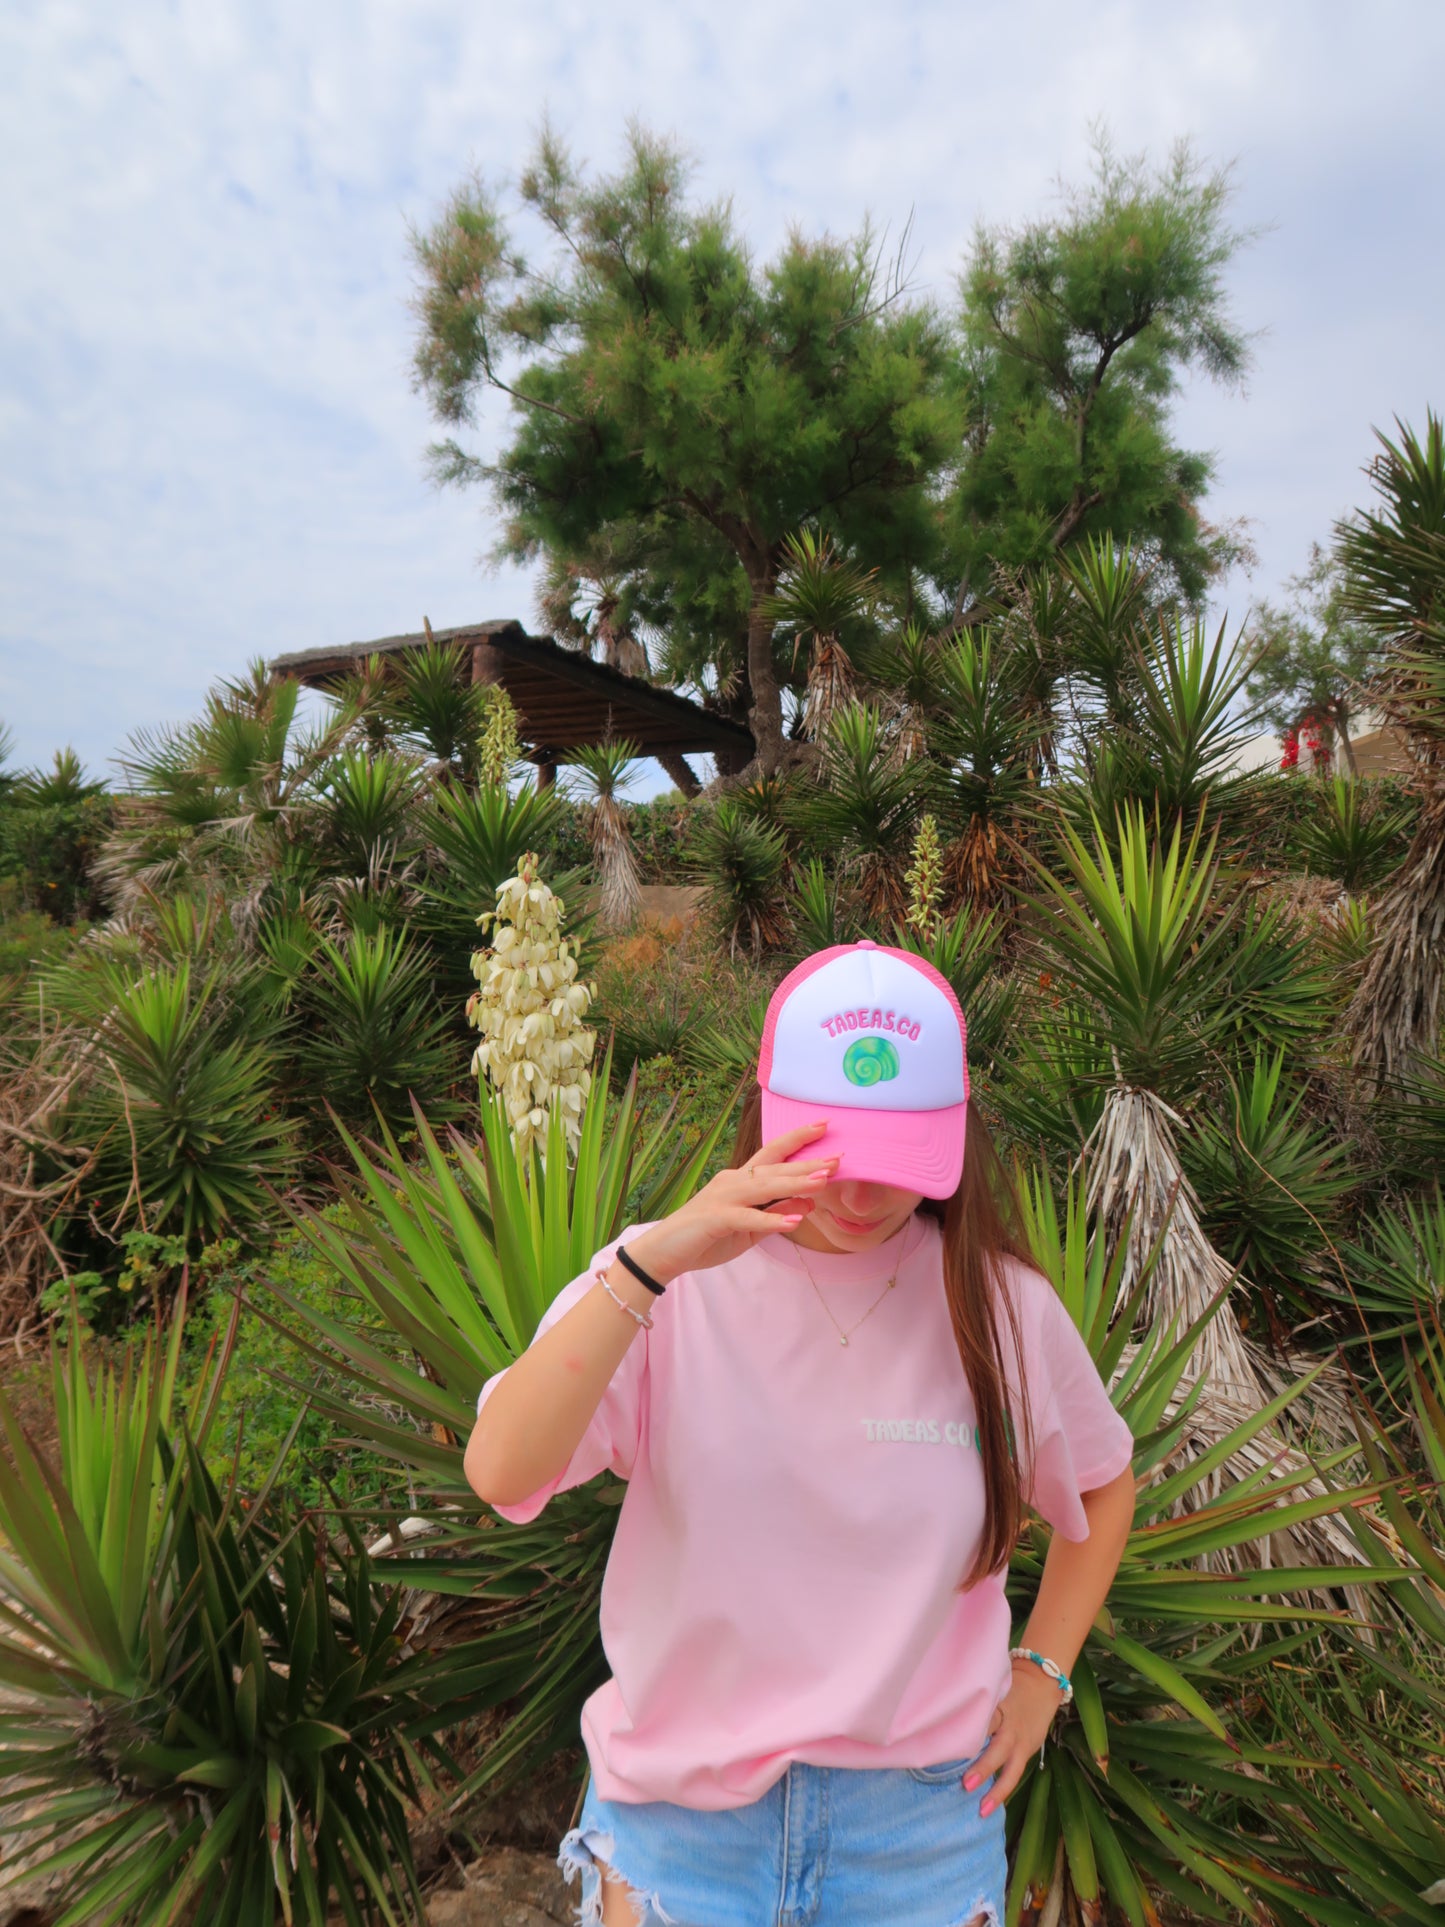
x=843, y=1336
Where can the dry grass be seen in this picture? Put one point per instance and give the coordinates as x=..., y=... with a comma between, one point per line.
x=38, y=1174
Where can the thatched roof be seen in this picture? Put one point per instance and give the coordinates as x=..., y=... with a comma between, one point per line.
x=564, y=701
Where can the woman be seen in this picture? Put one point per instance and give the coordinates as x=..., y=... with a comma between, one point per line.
x=809, y=1377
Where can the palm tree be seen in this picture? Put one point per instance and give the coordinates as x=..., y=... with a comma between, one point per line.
x=605, y=772
x=221, y=799
x=1152, y=951
x=821, y=593
x=984, y=741
x=863, y=809
x=1394, y=557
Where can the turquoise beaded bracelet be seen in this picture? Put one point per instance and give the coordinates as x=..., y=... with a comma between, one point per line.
x=1054, y=1671
x=1050, y=1666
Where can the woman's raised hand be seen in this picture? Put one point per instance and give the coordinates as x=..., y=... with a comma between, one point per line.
x=772, y=1192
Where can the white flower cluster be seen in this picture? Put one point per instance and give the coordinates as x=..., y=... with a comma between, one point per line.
x=535, y=1048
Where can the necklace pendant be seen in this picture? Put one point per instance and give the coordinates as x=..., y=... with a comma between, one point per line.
x=842, y=1338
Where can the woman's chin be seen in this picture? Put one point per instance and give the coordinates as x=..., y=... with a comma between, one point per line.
x=846, y=1236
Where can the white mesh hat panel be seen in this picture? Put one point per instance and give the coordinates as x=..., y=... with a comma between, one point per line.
x=868, y=1032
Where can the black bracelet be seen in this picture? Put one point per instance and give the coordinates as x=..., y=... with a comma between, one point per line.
x=631, y=1264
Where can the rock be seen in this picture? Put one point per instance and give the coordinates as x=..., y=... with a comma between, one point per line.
x=508, y=1888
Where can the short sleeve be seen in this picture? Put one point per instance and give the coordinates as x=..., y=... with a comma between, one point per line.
x=610, y=1442
x=1080, y=1440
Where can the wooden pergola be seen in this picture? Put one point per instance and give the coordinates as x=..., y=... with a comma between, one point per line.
x=564, y=701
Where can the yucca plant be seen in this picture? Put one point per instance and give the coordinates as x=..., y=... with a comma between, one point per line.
x=1055, y=1077
x=221, y=797
x=459, y=1252
x=1158, y=1794
x=366, y=801
x=817, y=917
x=822, y=594
x=1270, y=1186
x=605, y=773
x=1148, y=945
x=178, y=1112
x=1188, y=727
x=741, y=865
x=203, y=1703
x=375, y=1033
x=1370, y=1824
x=1394, y=558
x=984, y=739
x=863, y=809
x=899, y=673
x=1353, y=839
x=1393, y=1274
x=433, y=705
x=475, y=839
x=1108, y=613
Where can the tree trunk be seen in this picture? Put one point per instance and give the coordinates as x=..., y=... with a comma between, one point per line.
x=680, y=770
x=765, y=716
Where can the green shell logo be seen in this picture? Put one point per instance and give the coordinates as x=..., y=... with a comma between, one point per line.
x=870, y=1060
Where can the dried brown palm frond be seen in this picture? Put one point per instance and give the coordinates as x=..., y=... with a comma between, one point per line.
x=604, y=771
x=1394, y=561
x=1138, y=1194
x=1395, y=1014
x=831, y=686
x=821, y=592
x=977, y=865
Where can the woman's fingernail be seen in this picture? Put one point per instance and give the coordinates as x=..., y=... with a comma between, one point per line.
x=985, y=1809
x=970, y=1781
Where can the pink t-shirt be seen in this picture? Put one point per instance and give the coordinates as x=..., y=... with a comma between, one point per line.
x=799, y=1512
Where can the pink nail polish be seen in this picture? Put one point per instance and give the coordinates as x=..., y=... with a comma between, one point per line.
x=970, y=1781
x=985, y=1809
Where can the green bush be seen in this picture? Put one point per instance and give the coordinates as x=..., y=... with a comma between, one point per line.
x=180, y=1114
x=48, y=843
x=257, y=1407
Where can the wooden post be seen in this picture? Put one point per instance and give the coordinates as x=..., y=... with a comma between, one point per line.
x=546, y=775
x=487, y=661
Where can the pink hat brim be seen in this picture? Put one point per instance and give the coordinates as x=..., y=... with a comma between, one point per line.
x=916, y=1150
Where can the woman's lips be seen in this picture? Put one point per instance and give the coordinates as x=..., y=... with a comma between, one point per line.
x=854, y=1227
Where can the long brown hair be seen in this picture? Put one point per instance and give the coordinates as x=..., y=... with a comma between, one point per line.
x=980, y=1225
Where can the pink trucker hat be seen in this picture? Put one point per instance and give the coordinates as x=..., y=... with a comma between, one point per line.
x=872, y=1040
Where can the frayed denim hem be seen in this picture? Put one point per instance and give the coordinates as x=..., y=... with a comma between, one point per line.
x=579, y=1853
x=984, y=1910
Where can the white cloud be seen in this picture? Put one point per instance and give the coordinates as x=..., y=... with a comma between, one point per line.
x=212, y=449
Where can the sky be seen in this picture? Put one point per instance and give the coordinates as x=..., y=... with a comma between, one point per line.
x=210, y=447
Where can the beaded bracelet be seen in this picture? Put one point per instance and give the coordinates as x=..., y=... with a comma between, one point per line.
x=601, y=1276
x=1052, y=1668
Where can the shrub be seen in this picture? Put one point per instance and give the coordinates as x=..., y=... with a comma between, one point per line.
x=258, y=1403
x=180, y=1116
x=376, y=1033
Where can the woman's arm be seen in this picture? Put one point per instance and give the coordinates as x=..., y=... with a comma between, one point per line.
x=1076, y=1579
x=1077, y=1576
x=536, y=1415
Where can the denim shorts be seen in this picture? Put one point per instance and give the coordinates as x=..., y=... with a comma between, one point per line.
x=825, y=1846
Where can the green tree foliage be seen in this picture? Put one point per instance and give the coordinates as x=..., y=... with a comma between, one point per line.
x=1313, y=657
x=52, y=824
x=663, y=381
x=1076, y=330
